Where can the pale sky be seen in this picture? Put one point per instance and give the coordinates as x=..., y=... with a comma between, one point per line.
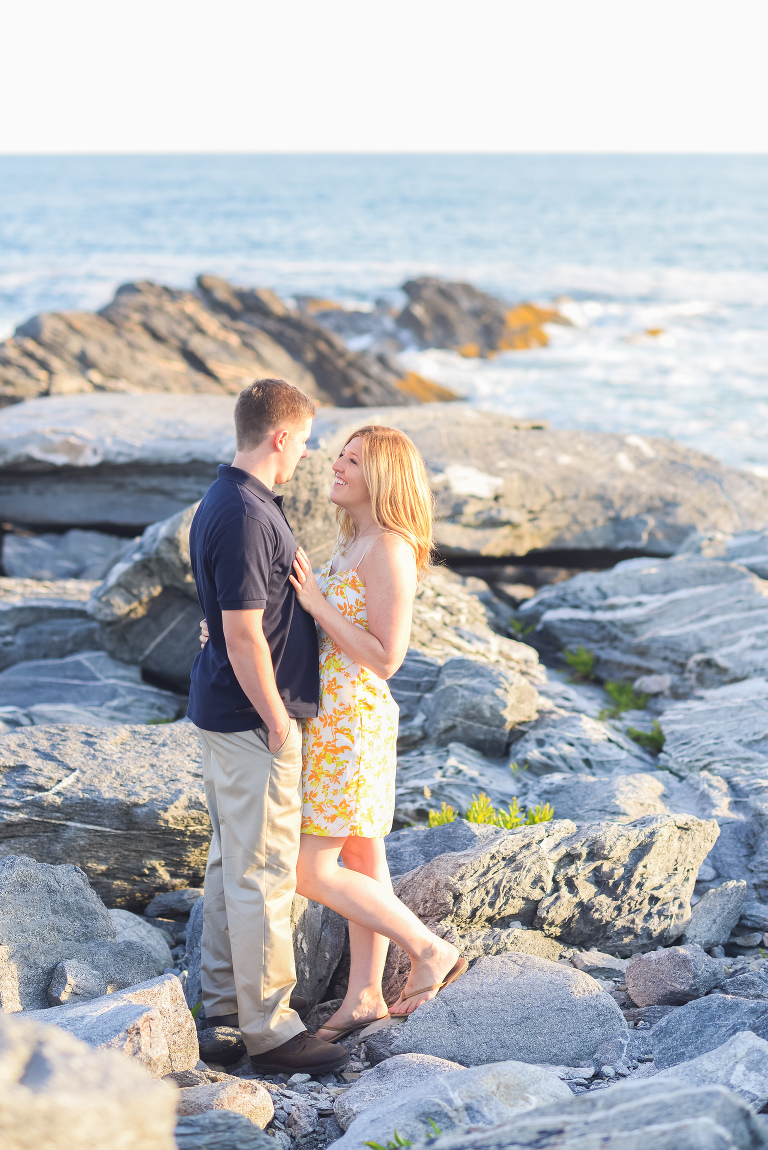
x=405, y=76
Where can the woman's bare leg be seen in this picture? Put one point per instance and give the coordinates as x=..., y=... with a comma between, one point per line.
x=363, y=999
x=374, y=906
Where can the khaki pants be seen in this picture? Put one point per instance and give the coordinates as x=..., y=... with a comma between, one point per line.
x=254, y=800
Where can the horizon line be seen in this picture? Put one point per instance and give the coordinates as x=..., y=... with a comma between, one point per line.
x=368, y=154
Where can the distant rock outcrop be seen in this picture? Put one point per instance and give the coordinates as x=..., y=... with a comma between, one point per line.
x=214, y=340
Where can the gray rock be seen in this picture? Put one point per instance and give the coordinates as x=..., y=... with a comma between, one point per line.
x=716, y=914
x=173, y=903
x=229, y=1093
x=148, y=606
x=73, y=555
x=741, y=1064
x=586, y=798
x=221, y=1130
x=564, y=742
x=221, y=1044
x=74, y=980
x=704, y=1025
x=482, y=1096
x=378, y=1046
x=723, y=730
x=193, y=989
x=695, y=619
x=414, y=846
x=501, y=490
x=45, y=620
x=149, y=1022
x=512, y=939
x=672, y=977
x=89, y=688
x=47, y=914
x=392, y=1077
x=60, y=1094
x=319, y=935
x=132, y=928
x=667, y=1114
x=649, y=1014
x=217, y=339
x=750, y=984
x=586, y=887
x=600, y=965
x=478, y=706
x=127, y=801
x=540, y=1011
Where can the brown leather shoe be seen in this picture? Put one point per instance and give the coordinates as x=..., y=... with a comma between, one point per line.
x=302, y=1054
x=297, y=1003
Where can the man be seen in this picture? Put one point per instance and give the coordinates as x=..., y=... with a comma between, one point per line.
x=257, y=675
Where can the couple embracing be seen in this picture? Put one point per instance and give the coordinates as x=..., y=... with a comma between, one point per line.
x=298, y=727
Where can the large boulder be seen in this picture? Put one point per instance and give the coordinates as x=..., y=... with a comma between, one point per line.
x=667, y=1114
x=502, y=488
x=60, y=1094
x=149, y=1022
x=566, y=741
x=480, y=1096
x=90, y=688
x=126, y=803
x=216, y=340
x=45, y=619
x=622, y=888
x=232, y=1094
x=440, y=313
x=672, y=976
x=514, y=1004
x=696, y=619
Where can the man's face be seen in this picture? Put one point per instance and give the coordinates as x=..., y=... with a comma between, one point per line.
x=294, y=449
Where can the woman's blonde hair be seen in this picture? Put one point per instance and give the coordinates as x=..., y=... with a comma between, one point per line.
x=400, y=494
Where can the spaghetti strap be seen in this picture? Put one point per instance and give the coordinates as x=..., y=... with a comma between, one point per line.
x=370, y=545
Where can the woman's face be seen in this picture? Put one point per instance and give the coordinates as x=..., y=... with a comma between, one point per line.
x=349, y=489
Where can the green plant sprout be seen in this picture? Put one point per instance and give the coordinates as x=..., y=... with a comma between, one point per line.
x=519, y=627
x=515, y=768
x=446, y=814
x=625, y=699
x=582, y=663
x=196, y=1009
x=652, y=740
x=157, y=722
x=397, y=1142
x=482, y=810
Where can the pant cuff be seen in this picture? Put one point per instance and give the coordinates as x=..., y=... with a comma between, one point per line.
x=269, y=1039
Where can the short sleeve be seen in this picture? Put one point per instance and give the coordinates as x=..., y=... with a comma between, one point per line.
x=242, y=564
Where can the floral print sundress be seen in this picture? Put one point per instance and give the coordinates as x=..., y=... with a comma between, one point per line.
x=349, y=754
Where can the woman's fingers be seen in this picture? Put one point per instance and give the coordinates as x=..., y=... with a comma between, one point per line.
x=300, y=574
x=302, y=559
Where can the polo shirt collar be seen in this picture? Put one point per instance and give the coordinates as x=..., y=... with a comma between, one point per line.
x=254, y=485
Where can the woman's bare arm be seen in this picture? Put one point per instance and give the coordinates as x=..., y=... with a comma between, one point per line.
x=389, y=570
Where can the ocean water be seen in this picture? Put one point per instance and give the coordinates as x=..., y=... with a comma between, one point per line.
x=673, y=245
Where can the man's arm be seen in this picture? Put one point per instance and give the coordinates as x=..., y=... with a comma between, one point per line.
x=251, y=661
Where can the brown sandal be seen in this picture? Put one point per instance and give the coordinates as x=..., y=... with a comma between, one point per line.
x=459, y=967
x=343, y=1031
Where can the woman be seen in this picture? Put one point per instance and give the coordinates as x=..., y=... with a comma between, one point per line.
x=363, y=606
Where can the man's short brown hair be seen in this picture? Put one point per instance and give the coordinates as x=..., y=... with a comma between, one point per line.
x=265, y=405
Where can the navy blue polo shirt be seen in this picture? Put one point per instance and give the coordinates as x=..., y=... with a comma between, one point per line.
x=242, y=550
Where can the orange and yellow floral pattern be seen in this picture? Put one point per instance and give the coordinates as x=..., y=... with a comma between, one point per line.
x=349, y=753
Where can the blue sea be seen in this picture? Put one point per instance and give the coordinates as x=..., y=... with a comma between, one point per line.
x=672, y=245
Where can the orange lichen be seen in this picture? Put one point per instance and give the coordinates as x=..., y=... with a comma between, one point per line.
x=523, y=327
x=425, y=390
x=313, y=306
x=654, y=331
x=469, y=350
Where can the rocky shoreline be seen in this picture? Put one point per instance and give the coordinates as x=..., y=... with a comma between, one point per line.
x=611, y=894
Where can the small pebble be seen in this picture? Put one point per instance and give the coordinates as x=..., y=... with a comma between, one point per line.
x=608, y=1072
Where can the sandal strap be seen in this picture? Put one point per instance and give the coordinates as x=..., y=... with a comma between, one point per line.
x=353, y=1025
x=424, y=990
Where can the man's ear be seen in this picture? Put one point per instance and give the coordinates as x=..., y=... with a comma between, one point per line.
x=280, y=439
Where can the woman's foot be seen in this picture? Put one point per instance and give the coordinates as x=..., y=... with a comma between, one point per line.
x=361, y=1013
x=428, y=971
